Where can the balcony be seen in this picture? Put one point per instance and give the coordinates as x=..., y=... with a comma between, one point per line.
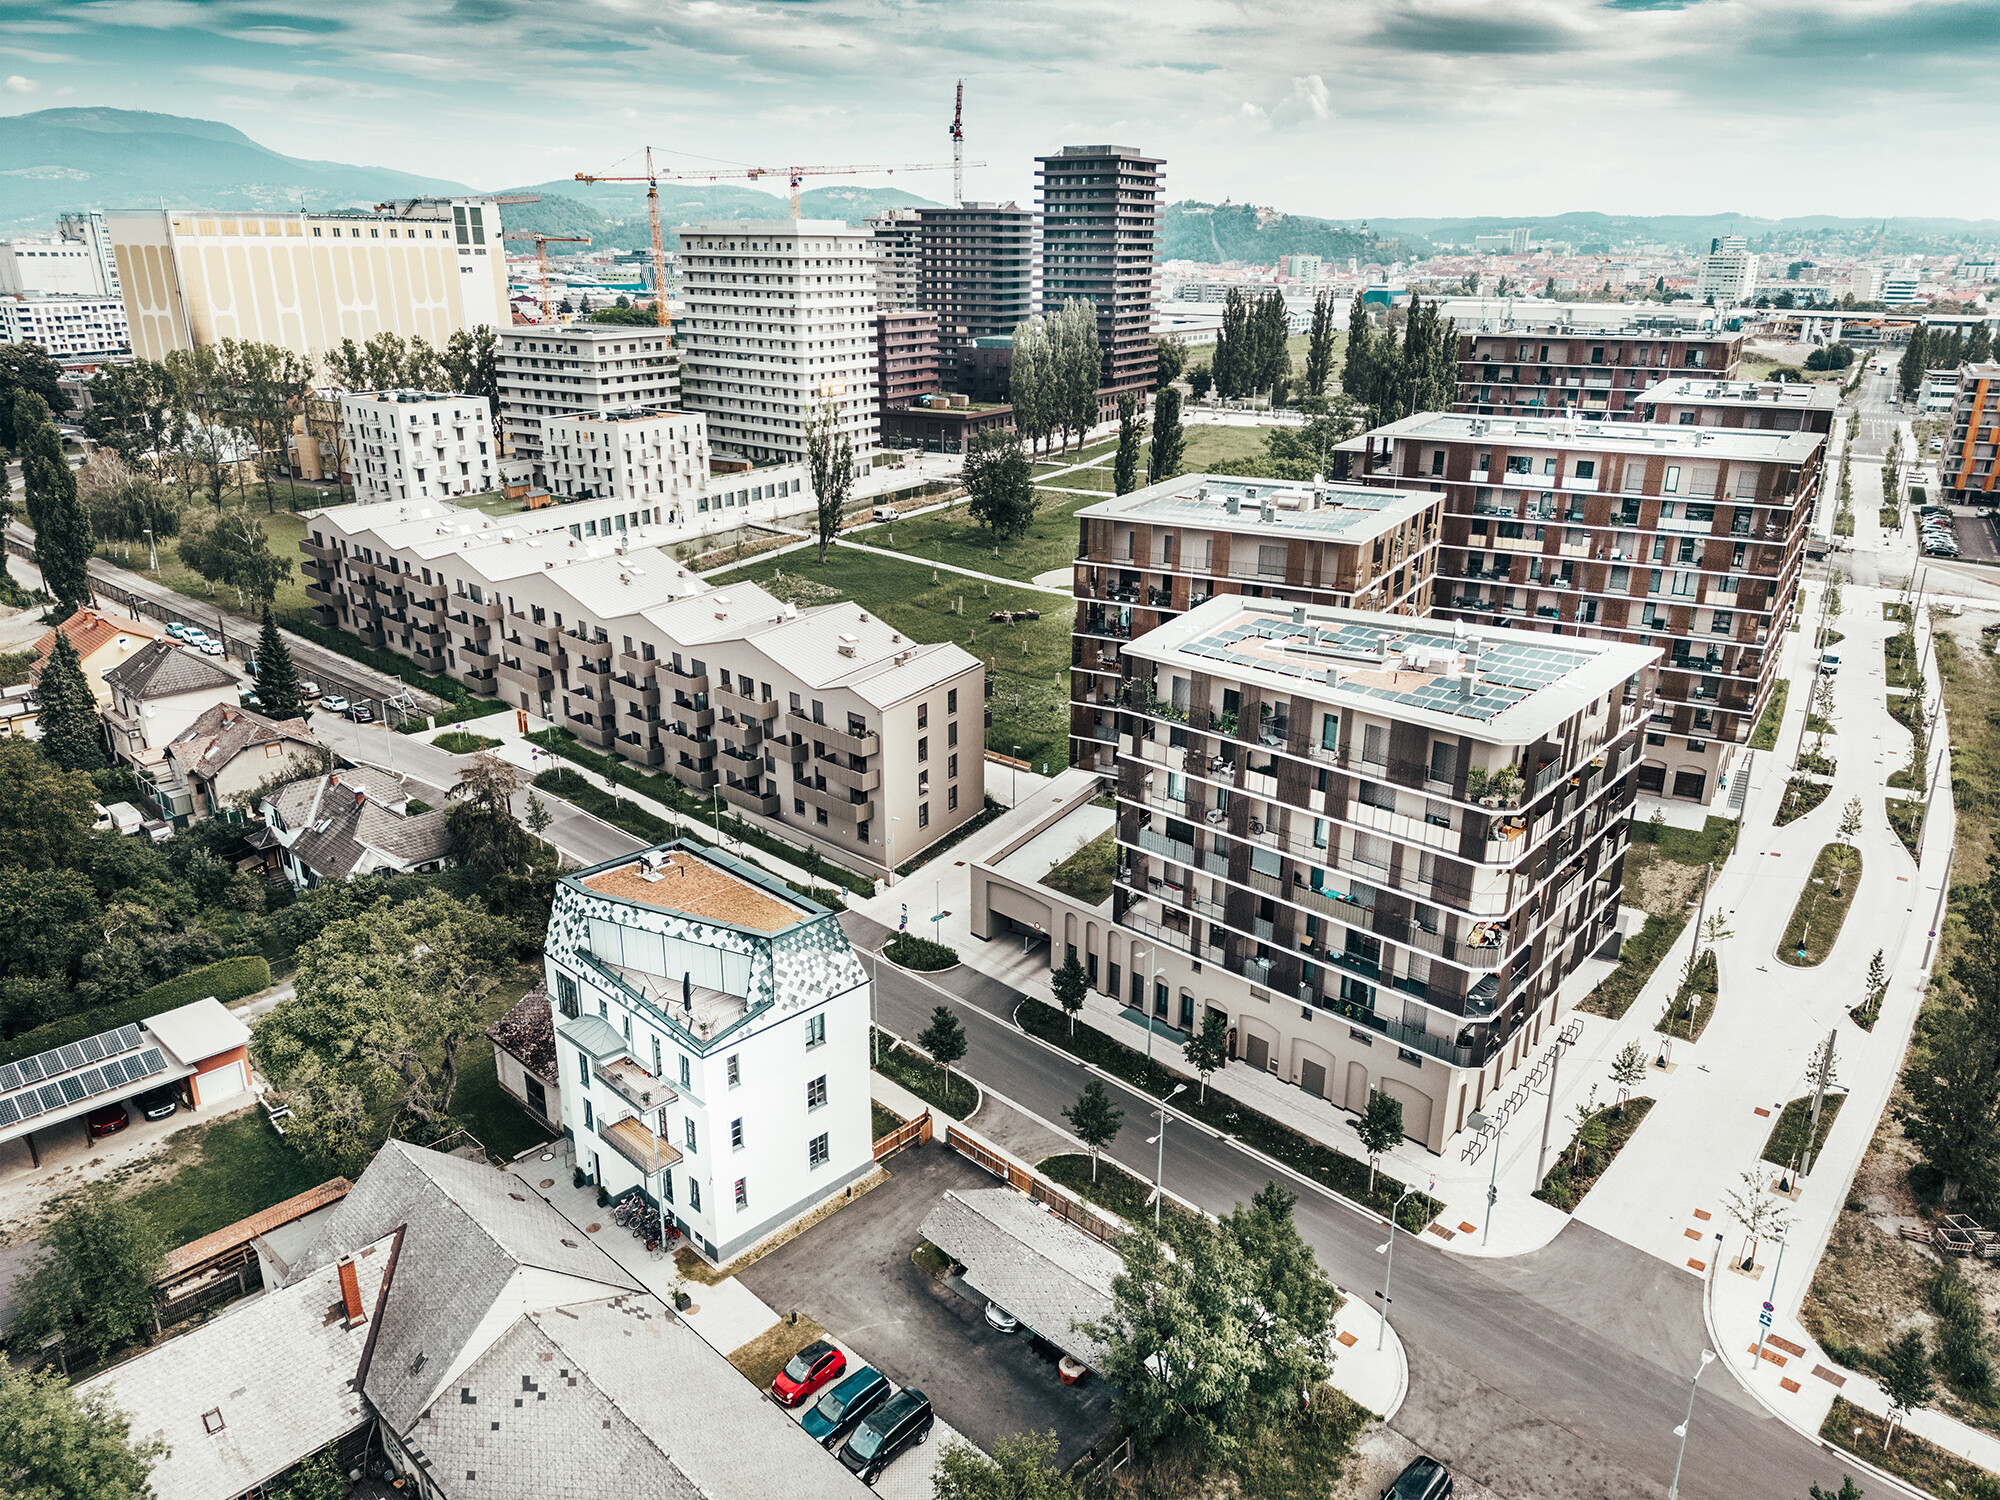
x=855, y=781
x=634, y=1084
x=865, y=743
x=835, y=802
x=766, y=803
x=639, y=1146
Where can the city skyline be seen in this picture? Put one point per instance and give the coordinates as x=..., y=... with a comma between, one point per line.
x=1365, y=109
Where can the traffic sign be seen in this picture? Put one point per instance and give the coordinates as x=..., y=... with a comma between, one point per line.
x=1769, y=1308
x=1765, y=1319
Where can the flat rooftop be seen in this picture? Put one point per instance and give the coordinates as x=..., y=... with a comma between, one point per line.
x=1514, y=684
x=1295, y=508
x=677, y=879
x=1558, y=434
x=1780, y=395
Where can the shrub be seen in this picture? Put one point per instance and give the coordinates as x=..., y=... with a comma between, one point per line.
x=921, y=954
x=1637, y=959
x=463, y=742
x=231, y=979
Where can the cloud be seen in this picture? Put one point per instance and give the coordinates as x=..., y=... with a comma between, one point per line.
x=1308, y=101
x=16, y=84
x=29, y=54
x=1475, y=30
x=294, y=85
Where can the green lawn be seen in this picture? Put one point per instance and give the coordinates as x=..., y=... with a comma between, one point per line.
x=1086, y=874
x=926, y=1080
x=953, y=537
x=228, y=1171
x=492, y=503
x=285, y=531
x=479, y=1103
x=1788, y=1135
x=1027, y=663
x=1822, y=907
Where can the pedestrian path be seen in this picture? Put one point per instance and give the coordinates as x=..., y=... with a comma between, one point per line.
x=1009, y=583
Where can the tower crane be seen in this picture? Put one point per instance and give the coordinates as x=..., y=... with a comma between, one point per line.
x=958, y=146
x=794, y=174
x=542, y=242
x=652, y=181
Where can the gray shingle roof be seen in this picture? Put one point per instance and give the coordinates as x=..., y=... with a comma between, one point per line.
x=224, y=732
x=344, y=836
x=1043, y=1270
x=528, y=1031
x=166, y=669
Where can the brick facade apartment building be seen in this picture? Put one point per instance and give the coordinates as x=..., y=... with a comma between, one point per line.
x=1544, y=369
x=906, y=357
x=1100, y=239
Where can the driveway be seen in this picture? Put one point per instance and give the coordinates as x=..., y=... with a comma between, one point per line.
x=853, y=1274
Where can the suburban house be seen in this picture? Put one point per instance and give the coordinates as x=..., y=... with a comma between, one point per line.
x=230, y=752
x=157, y=695
x=101, y=643
x=713, y=1041
x=356, y=821
x=524, y=1056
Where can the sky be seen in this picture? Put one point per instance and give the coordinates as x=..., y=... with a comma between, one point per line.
x=1340, y=108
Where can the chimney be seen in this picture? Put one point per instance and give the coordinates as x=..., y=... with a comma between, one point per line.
x=360, y=796
x=350, y=1292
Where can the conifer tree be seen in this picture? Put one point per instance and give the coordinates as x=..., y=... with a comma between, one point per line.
x=1319, y=346
x=277, y=677
x=63, y=540
x=68, y=716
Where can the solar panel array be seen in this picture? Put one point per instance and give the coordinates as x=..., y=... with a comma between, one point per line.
x=76, y=1071
x=1355, y=511
x=1509, y=671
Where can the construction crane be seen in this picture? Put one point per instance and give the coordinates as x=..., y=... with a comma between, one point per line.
x=652, y=181
x=542, y=242
x=794, y=174
x=958, y=146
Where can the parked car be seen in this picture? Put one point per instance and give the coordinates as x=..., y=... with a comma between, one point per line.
x=999, y=1319
x=901, y=1421
x=885, y=513
x=811, y=1368
x=1424, y=1479
x=159, y=1103
x=101, y=823
x=247, y=698
x=333, y=703
x=177, y=630
x=361, y=713
x=210, y=646
x=1829, y=664
x=106, y=1119
x=841, y=1409
x=308, y=690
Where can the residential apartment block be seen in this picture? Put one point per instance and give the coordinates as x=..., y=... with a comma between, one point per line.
x=418, y=445
x=898, y=243
x=906, y=356
x=1147, y=557
x=544, y=372
x=1759, y=405
x=50, y=265
x=976, y=271
x=1548, y=369
x=1687, y=539
x=1377, y=846
x=636, y=454
x=712, y=1033
x=828, y=720
x=1100, y=239
x=74, y=328
x=1724, y=276
x=1965, y=469
x=431, y=267
x=779, y=325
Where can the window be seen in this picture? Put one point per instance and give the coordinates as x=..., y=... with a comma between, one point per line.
x=816, y=1092
x=736, y=1135
x=688, y=1131
x=951, y=766
x=1329, y=732
x=1374, y=745
x=566, y=996
x=656, y=1057
x=951, y=701
x=951, y=799
x=923, y=715
x=687, y=1078
x=1375, y=795
x=735, y=1071
x=583, y=1068
x=588, y=1123
x=923, y=815
x=924, y=748
x=951, y=733
x=815, y=1031
x=694, y=1196
x=742, y=1193
x=1671, y=485
x=818, y=1153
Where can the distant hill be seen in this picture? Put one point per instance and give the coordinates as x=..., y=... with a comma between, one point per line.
x=1212, y=233
x=614, y=213
x=58, y=160
x=1596, y=233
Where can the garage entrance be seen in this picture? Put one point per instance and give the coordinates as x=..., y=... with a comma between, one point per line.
x=1416, y=1108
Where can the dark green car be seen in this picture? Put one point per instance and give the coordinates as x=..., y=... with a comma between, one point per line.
x=836, y=1413
x=904, y=1419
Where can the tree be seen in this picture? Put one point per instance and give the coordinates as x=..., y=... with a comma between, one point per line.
x=1031, y=382
x=1590, y=1133
x=67, y=708
x=1078, y=366
x=1234, y=361
x=944, y=1039
x=1380, y=1129
x=471, y=363
x=539, y=818
x=1294, y=1301
x=1848, y=1490
x=1207, y=1050
x=1000, y=482
x=63, y=542
x=60, y=1445
x=1023, y=1467
x=1319, y=346
x=95, y=1286
x=1201, y=380
x=1169, y=359
x=318, y=1478
x=1094, y=1120
x=45, y=811
x=484, y=835
x=1904, y=1373
x=1628, y=1071
x=1169, y=439
x=1757, y=1212
x=1910, y=370
x=1069, y=986
x=1125, y=468
x=1850, y=820
x=1878, y=978
x=830, y=467
x=1950, y=1104
x=278, y=690
x=27, y=370
x=1271, y=328
x=231, y=548
x=1357, y=373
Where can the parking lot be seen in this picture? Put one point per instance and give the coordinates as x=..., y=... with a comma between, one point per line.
x=1975, y=535
x=853, y=1274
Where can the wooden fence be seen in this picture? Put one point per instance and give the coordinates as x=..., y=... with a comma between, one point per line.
x=909, y=1133
x=1056, y=1199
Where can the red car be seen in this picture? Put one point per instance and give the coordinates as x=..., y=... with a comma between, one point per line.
x=811, y=1368
x=107, y=1121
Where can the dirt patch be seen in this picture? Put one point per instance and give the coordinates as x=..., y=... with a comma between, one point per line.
x=763, y=1357
x=1664, y=887
x=796, y=588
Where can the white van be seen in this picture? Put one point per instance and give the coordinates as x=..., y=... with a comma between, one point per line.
x=124, y=816
x=885, y=513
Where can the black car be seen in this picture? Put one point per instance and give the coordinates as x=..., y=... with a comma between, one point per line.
x=157, y=1104
x=841, y=1409
x=1424, y=1479
x=901, y=1421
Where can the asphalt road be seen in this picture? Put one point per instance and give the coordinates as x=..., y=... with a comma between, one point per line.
x=1558, y=1375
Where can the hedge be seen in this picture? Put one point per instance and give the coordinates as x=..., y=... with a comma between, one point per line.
x=919, y=953
x=1637, y=958
x=231, y=979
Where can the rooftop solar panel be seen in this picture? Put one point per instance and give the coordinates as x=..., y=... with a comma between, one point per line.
x=92, y=1048
x=9, y=1115
x=135, y=1069
x=152, y=1059
x=28, y=1103
x=10, y=1078
x=70, y=1054
x=31, y=1069
x=128, y=1038
x=71, y=1089
x=94, y=1082
x=50, y=1096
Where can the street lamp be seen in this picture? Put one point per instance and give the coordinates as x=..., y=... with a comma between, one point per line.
x=152, y=554
x=1484, y=1126
x=1390, y=1269
x=1017, y=776
x=892, y=849
x=1160, y=1165
x=1681, y=1432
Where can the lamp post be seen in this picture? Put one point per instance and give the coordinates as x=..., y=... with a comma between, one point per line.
x=892, y=849
x=1160, y=1164
x=1681, y=1432
x=1017, y=776
x=1492, y=1128
x=1389, y=1270
x=152, y=554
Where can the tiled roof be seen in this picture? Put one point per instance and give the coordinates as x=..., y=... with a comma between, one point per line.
x=348, y=823
x=528, y=1032
x=224, y=732
x=166, y=669
x=89, y=630
x=194, y=1252
x=1036, y=1265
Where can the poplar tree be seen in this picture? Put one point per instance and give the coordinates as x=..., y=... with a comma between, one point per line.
x=63, y=540
x=1319, y=346
x=1169, y=441
x=1234, y=361
x=1910, y=373
x=1357, y=374
x=1029, y=382
x=68, y=716
x=1125, y=468
x=1080, y=366
x=1273, y=328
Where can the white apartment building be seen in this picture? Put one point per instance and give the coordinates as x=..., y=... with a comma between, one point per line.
x=827, y=720
x=780, y=324
x=545, y=372
x=429, y=267
x=418, y=445
x=86, y=228
x=1724, y=276
x=639, y=454
x=1901, y=288
x=712, y=1028
x=73, y=328
x=49, y=265
x=899, y=255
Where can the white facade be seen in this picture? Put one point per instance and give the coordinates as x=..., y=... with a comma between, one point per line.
x=1901, y=288
x=899, y=257
x=712, y=1035
x=86, y=228
x=74, y=329
x=418, y=445
x=635, y=453
x=50, y=265
x=780, y=324
x=1725, y=275
x=545, y=372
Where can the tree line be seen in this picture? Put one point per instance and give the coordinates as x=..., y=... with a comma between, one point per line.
x=1057, y=369
x=1940, y=349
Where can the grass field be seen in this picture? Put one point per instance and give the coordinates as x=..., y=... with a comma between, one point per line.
x=1027, y=663
x=229, y=1171
x=1822, y=907
x=285, y=531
